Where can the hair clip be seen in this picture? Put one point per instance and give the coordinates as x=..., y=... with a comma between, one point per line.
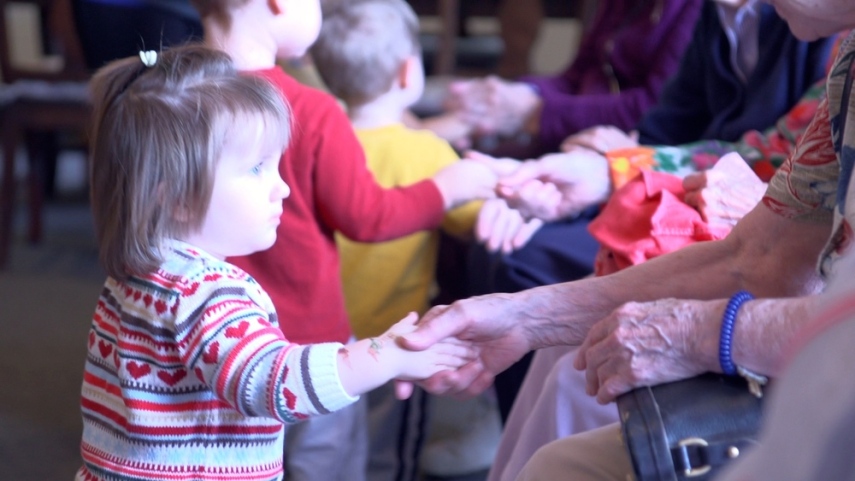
x=148, y=57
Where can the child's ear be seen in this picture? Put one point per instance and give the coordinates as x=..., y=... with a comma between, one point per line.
x=407, y=69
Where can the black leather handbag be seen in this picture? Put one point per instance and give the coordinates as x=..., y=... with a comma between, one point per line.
x=687, y=430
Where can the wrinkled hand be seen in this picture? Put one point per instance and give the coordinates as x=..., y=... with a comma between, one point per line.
x=501, y=228
x=600, y=139
x=464, y=181
x=644, y=344
x=581, y=179
x=725, y=193
x=492, y=105
x=493, y=324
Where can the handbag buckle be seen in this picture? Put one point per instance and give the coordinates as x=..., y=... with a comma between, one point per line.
x=691, y=471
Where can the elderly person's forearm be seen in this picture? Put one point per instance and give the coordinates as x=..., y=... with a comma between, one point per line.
x=765, y=254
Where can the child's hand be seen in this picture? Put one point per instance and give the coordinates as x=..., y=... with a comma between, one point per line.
x=500, y=227
x=464, y=181
x=580, y=179
x=450, y=353
x=533, y=198
x=502, y=166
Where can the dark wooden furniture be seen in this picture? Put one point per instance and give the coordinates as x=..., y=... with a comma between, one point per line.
x=36, y=104
x=453, y=15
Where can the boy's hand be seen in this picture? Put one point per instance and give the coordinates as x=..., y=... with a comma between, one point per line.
x=464, y=181
x=580, y=179
x=501, y=228
x=502, y=166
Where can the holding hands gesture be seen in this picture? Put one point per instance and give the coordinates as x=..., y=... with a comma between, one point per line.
x=557, y=186
x=494, y=106
x=369, y=363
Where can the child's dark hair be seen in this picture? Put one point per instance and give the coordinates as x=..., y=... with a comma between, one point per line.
x=155, y=142
x=362, y=45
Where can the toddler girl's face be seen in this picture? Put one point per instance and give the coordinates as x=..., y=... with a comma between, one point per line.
x=246, y=202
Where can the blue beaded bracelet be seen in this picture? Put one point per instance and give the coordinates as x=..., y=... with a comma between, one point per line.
x=725, y=342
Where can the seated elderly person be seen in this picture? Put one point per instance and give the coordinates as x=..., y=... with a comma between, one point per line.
x=661, y=321
x=714, y=96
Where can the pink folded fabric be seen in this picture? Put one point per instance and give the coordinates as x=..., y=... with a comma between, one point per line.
x=647, y=218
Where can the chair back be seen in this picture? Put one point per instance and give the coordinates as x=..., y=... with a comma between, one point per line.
x=59, y=41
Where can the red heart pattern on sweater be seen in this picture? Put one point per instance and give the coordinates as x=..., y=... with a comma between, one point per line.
x=237, y=332
x=137, y=370
x=212, y=354
x=105, y=348
x=160, y=307
x=290, y=398
x=172, y=378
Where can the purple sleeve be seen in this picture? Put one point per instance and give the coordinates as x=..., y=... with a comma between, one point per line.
x=646, y=53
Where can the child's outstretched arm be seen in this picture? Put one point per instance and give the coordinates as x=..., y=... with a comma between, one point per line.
x=370, y=363
x=464, y=181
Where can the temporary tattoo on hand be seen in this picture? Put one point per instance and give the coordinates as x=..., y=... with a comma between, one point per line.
x=345, y=354
x=374, y=348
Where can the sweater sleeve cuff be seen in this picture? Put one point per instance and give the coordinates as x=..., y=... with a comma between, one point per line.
x=323, y=368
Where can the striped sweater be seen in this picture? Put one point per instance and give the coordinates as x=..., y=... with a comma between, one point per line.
x=188, y=377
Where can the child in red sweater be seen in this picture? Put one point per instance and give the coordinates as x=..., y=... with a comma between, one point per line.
x=332, y=190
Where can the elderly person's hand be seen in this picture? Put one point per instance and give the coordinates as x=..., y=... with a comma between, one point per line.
x=581, y=179
x=501, y=228
x=601, y=139
x=644, y=344
x=495, y=106
x=496, y=325
x=725, y=193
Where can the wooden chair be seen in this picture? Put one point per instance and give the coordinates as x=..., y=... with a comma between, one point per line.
x=37, y=103
x=453, y=14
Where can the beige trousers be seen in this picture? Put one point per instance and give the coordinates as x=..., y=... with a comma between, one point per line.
x=597, y=455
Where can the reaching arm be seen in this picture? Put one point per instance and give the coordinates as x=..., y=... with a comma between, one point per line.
x=506, y=326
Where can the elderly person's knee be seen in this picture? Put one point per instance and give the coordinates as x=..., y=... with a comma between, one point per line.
x=598, y=455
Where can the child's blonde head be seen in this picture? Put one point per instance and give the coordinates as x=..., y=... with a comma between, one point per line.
x=157, y=135
x=362, y=45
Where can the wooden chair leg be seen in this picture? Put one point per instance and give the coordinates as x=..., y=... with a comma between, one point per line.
x=7, y=197
x=42, y=150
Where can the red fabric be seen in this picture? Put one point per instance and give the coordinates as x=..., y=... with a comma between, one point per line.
x=647, y=218
x=331, y=190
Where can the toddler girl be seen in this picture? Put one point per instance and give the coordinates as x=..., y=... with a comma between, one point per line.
x=188, y=375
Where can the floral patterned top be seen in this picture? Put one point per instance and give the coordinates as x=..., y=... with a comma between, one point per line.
x=814, y=184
